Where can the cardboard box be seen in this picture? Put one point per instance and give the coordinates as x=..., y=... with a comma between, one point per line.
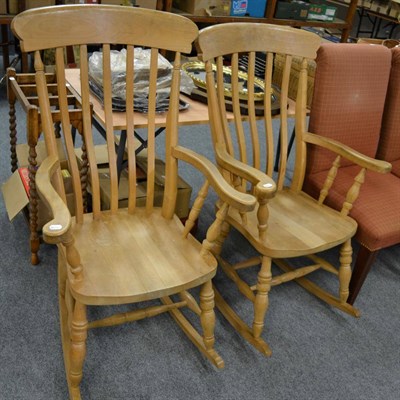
x=256, y=8
x=381, y=7
x=238, y=8
x=204, y=7
x=41, y=153
x=279, y=63
x=183, y=196
x=3, y=7
x=16, y=188
x=13, y=4
x=394, y=10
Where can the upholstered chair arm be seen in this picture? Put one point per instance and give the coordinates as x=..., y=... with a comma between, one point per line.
x=348, y=153
x=61, y=221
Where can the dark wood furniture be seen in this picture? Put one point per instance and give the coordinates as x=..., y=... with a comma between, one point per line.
x=5, y=41
x=22, y=88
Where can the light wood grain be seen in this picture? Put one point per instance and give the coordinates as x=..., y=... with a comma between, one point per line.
x=122, y=255
x=286, y=223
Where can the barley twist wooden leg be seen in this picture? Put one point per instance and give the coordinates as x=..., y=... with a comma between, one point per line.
x=84, y=175
x=57, y=129
x=13, y=136
x=207, y=316
x=346, y=252
x=33, y=207
x=77, y=352
x=261, y=301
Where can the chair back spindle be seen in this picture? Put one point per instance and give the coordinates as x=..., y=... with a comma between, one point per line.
x=143, y=22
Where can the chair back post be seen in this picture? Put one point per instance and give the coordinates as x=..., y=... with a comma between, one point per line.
x=247, y=140
x=139, y=30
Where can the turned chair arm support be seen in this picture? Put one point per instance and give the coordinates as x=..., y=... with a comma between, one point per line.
x=348, y=153
x=265, y=186
x=241, y=201
x=56, y=230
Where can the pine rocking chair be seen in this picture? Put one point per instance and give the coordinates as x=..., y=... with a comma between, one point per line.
x=122, y=255
x=287, y=223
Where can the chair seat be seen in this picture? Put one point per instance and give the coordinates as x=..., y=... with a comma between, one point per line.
x=298, y=226
x=130, y=258
x=375, y=208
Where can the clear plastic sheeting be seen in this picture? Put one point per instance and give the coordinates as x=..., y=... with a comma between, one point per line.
x=142, y=58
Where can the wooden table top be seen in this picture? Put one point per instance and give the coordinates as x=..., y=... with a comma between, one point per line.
x=197, y=113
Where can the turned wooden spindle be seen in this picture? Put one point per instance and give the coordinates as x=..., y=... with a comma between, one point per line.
x=78, y=348
x=73, y=258
x=261, y=301
x=207, y=316
x=238, y=185
x=330, y=178
x=262, y=212
x=346, y=252
x=353, y=192
x=214, y=230
x=196, y=208
x=225, y=228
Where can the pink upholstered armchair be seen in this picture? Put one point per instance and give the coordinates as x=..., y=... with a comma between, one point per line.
x=389, y=142
x=349, y=106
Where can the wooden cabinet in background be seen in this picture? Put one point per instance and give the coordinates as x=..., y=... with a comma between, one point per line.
x=269, y=17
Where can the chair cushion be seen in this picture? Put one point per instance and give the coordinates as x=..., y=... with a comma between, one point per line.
x=349, y=94
x=136, y=257
x=389, y=143
x=376, y=210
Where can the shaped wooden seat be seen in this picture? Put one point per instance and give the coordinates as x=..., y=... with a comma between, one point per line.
x=110, y=272
x=133, y=254
x=287, y=223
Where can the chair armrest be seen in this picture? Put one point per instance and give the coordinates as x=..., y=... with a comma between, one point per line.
x=54, y=230
x=265, y=185
x=349, y=153
x=240, y=201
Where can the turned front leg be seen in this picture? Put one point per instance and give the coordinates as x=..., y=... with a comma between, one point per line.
x=261, y=301
x=77, y=352
x=207, y=316
x=346, y=252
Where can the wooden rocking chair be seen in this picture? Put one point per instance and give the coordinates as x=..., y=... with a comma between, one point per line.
x=134, y=254
x=287, y=223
